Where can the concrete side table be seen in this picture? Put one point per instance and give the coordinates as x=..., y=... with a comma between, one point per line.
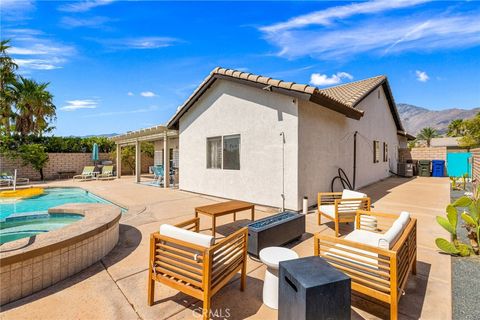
x=271, y=257
x=310, y=288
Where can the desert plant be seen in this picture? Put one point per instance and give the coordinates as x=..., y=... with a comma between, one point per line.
x=471, y=219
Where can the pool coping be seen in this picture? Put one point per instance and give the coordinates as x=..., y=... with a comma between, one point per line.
x=98, y=217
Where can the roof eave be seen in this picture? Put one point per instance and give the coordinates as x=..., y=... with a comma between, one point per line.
x=336, y=106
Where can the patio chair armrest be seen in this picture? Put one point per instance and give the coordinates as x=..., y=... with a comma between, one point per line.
x=325, y=198
x=228, y=256
x=191, y=224
x=319, y=238
x=376, y=214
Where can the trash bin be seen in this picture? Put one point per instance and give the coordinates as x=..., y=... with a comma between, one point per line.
x=424, y=168
x=438, y=168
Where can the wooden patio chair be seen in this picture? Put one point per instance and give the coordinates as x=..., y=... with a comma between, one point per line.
x=187, y=261
x=341, y=206
x=378, y=263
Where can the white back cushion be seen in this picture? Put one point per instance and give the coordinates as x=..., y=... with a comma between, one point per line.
x=328, y=209
x=187, y=235
x=391, y=236
x=350, y=194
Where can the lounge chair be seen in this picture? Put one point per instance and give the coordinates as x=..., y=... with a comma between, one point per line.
x=378, y=263
x=190, y=262
x=8, y=179
x=341, y=206
x=106, y=174
x=86, y=174
x=158, y=174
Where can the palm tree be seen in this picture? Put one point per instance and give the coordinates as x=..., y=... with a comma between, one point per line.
x=7, y=78
x=34, y=107
x=427, y=134
x=456, y=128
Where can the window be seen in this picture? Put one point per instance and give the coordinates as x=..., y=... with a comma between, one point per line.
x=376, y=151
x=223, y=152
x=214, y=153
x=231, y=152
x=385, y=152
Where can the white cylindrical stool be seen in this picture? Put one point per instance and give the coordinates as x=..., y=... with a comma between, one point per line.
x=271, y=257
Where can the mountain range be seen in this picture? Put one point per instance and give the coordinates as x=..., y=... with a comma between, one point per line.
x=416, y=118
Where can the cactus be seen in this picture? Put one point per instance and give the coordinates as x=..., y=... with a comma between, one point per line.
x=471, y=219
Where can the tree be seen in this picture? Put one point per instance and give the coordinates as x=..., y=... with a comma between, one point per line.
x=34, y=107
x=7, y=79
x=456, y=128
x=471, y=134
x=128, y=154
x=427, y=134
x=34, y=155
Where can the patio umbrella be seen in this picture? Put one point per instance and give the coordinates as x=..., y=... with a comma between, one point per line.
x=95, y=152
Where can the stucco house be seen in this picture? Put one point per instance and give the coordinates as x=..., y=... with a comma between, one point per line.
x=249, y=137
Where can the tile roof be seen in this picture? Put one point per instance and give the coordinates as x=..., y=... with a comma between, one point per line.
x=343, y=98
x=352, y=93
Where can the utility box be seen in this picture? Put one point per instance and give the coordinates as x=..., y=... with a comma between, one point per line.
x=405, y=169
x=424, y=168
x=310, y=288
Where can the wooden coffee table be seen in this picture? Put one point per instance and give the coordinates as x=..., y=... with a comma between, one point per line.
x=224, y=208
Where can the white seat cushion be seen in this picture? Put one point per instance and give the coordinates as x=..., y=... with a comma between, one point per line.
x=328, y=209
x=187, y=235
x=350, y=194
x=365, y=237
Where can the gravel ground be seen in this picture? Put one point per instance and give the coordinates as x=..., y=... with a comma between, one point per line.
x=465, y=277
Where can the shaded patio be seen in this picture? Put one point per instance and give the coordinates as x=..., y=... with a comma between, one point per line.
x=118, y=284
x=165, y=143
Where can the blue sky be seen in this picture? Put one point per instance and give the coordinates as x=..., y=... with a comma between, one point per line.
x=123, y=65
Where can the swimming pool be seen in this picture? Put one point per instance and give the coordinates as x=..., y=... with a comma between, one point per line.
x=30, y=225
x=51, y=198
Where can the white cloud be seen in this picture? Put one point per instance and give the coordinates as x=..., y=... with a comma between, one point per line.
x=328, y=16
x=97, y=22
x=73, y=105
x=130, y=94
x=37, y=64
x=16, y=10
x=422, y=76
x=123, y=112
x=34, y=50
x=378, y=34
x=148, y=94
x=83, y=6
x=318, y=79
x=138, y=43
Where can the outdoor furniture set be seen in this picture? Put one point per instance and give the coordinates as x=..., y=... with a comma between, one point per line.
x=367, y=260
x=89, y=173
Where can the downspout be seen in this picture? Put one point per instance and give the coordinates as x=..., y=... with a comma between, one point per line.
x=282, y=134
x=354, y=158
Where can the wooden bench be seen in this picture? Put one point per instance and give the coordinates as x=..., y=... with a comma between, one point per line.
x=193, y=269
x=375, y=271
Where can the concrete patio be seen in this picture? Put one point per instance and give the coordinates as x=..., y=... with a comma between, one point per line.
x=116, y=287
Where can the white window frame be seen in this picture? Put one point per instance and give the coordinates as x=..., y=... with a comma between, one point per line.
x=222, y=151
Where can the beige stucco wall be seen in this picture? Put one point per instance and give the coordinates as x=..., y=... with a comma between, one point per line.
x=326, y=143
x=259, y=117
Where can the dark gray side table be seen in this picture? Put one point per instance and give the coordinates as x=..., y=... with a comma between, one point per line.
x=310, y=288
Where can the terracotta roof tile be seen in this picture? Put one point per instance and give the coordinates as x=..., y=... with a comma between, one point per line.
x=347, y=95
x=351, y=93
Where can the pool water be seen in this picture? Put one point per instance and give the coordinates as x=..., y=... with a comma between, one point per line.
x=51, y=198
x=31, y=225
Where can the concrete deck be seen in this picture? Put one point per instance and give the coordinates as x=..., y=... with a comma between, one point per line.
x=116, y=287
